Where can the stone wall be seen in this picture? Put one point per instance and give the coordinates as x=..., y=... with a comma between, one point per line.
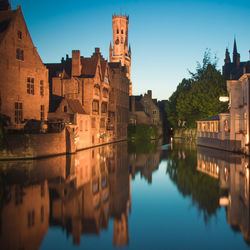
x=188, y=134
x=17, y=146
x=228, y=145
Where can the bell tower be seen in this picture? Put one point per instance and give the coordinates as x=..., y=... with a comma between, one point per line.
x=121, y=52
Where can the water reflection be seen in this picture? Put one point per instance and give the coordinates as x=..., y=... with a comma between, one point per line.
x=79, y=193
x=232, y=171
x=87, y=196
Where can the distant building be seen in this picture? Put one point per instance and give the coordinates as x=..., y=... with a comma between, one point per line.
x=233, y=70
x=121, y=52
x=24, y=88
x=144, y=110
x=231, y=131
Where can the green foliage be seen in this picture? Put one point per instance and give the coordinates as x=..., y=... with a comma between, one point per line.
x=198, y=97
x=203, y=189
x=142, y=147
x=142, y=132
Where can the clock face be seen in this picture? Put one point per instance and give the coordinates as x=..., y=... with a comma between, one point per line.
x=117, y=41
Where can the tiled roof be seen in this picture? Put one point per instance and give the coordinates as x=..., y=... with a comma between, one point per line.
x=54, y=102
x=88, y=66
x=75, y=106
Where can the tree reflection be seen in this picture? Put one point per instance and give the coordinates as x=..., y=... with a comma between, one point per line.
x=203, y=189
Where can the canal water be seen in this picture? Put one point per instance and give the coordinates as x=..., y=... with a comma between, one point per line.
x=127, y=196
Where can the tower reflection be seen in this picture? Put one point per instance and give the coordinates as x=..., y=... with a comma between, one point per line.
x=79, y=193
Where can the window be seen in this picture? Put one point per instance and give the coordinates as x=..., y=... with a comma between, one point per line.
x=20, y=54
x=18, y=112
x=122, y=31
x=86, y=125
x=31, y=218
x=97, y=90
x=41, y=88
x=117, y=31
x=30, y=86
x=42, y=112
x=106, y=80
x=65, y=109
x=81, y=125
x=104, y=107
x=19, y=34
x=102, y=123
x=92, y=122
x=121, y=39
x=95, y=106
x=95, y=186
x=105, y=92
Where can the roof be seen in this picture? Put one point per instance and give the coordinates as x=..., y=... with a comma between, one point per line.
x=6, y=16
x=75, y=106
x=211, y=118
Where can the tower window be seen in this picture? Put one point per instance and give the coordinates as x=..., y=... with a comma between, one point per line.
x=122, y=31
x=117, y=31
x=117, y=41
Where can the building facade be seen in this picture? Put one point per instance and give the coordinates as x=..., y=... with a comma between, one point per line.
x=144, y=110
x=24, y=88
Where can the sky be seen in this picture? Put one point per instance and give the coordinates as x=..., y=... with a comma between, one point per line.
x=167, y=38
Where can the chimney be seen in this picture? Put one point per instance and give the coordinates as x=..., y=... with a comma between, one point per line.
x=150, y=94
x=76, y=63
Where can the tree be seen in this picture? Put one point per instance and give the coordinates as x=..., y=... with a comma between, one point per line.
x=198, y=97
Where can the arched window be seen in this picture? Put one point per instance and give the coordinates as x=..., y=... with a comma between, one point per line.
x=122, y=31
x=97, y=89
x=117, y=31
x=104, y=107
x=105, y=92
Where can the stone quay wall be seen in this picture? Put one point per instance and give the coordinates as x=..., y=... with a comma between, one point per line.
x=23, y=146
x=187, y=134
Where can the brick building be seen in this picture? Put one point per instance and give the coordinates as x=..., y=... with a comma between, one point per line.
x=144, y=110
x=24, y=89
x=119, y=100
x=87, y=81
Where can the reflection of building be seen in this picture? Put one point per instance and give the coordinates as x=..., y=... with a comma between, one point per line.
x=230, y=131
x=25, y=216
x=97, y=188
x=233, y=174
x=146, y=164
x=79, y=192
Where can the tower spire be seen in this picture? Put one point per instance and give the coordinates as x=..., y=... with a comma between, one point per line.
x=236, y=55
x=227, y=57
